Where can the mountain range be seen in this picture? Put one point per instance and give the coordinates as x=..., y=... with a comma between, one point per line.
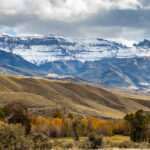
x=100, y=61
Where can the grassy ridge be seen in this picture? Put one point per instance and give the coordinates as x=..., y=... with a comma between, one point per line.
x=43, y=95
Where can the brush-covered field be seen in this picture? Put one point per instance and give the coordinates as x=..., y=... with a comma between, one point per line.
x=116, y=142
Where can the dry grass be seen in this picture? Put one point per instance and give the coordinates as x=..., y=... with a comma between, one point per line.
x=109, y=143
x=43, y=95
x=117, y=138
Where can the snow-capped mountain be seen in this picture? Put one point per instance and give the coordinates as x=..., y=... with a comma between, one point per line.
x=96, y=60
x=43, y=49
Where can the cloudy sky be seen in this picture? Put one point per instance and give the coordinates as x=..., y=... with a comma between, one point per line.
x=120, y=20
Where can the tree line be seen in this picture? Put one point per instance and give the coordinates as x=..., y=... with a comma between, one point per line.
x=137, y=125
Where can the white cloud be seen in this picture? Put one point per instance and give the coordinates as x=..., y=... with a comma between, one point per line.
x=62, y=9
x=77, y=18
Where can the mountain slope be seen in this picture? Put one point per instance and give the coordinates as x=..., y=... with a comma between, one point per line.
x=132, y=73
x=96, y=60
x=7, y=69
x=42, y=49
x=42, y=96
x=7, y=58
x=16, y=65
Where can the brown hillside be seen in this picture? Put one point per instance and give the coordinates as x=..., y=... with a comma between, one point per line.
x=42, y=96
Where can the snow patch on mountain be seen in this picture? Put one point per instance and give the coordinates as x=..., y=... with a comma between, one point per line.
x=43, y=49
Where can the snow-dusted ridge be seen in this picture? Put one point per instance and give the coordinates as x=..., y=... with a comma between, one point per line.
x=41, y=49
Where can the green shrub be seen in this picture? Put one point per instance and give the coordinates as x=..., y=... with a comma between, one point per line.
x=63, y=144
x=56, y=143
x=17, y=112
x=66, y=145
x=58, y=114
x=13, y=137
x=70, y=115
x=94, y=142
x=84, y=144
x=129, y=144
x=41, y=141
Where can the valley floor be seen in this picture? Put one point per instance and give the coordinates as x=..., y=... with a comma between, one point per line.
x=110, y=143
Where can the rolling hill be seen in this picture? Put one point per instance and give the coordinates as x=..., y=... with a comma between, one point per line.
x=43, y=96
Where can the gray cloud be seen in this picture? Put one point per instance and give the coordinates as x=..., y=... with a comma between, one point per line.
x=125, y=20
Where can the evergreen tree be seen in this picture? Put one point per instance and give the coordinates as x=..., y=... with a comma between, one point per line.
x=138, y=122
